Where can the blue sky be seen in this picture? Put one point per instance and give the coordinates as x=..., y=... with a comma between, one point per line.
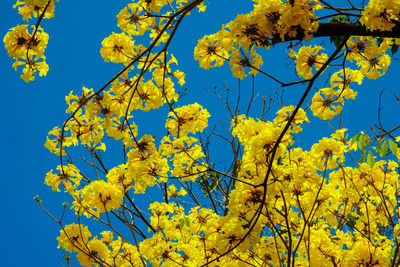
x=32, y=109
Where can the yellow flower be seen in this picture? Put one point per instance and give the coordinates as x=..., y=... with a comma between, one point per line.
x=364, y=252
x=53, y=143
x=18, y=41
x=157, y=28
x=89, y=131
x=340, y=135
x=380, y=14
x=120, y=177
x=68, y=174
x=326, y=103
x=225, y=36
x=180, y=4
x=284, y=115
x=267, y=14
x=298, y=14
x=239, y=62
x=342, y=80
x=75, y=101
x=159, y=208
x=209, y=52
x=258, y=138
x=186, y=155
x=161, y=71
x=155, y=5
x=93, y=253
x=358, y=45
x=73, y=237
x=180, y=75
x=38, y=3
x=119, y=129
x=28, y=8
x=375, y=64
x=327, y=153
x=307, y=58
x=117, y=48
x=133, y=19
x=125, y=254
x=187, y=119
x=148, y=171
x=98, y=196
x=172, y=191
x=148, y=96
x=31, y=67
x=245, y=31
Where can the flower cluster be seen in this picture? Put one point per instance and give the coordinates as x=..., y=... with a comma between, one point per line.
x=307, y=58
x=277, y=203
x=187, y=119
x=27, y=44
x=381, y=14
x=270, y=22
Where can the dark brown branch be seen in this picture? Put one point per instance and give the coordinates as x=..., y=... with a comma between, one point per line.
x=343, y=29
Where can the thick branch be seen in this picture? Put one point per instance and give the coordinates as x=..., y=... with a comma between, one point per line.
x=343, y=29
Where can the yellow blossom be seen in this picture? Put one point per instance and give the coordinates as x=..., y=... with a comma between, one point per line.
x=117, y=48
x=374, y=64
x=284, y=115
x=97, y=197
x=327, y=103
x=342, y=80
x=240, y=61
x=187, y=119
x=68, y=175
x=133, y=19
x=307, y=58
x=328, y=152
x=209, y=52
x=28, y=8
x=31, y=67
x=380, y=14
x=73, y=237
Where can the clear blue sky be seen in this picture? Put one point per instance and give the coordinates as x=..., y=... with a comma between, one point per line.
x=31, y=110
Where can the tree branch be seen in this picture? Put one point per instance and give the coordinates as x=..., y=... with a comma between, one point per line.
x=343, y=29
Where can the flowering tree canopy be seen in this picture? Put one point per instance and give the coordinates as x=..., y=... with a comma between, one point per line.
x=277, y=204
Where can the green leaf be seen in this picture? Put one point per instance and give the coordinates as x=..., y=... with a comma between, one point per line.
x=394, y=48
x=378, y=144
x=392, y=146
x=363, y=155
x=338, y=19
x=380, y=40
x=282, y=231
x=370, y=159
x=187, y=222
x=383, y=149
x=351, y=220
x=360, y=142
x=184, y=222
x=355, y=138
x=336, y=40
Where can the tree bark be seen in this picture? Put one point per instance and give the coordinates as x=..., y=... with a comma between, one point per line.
x=343, y=29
